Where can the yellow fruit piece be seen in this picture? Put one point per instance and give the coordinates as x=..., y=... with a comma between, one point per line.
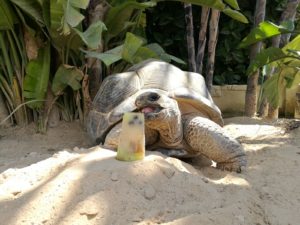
x=132, y=139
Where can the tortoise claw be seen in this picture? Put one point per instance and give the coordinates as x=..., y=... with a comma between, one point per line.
x=231, y=166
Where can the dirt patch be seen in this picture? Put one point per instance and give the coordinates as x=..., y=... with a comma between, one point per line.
x=56, y=179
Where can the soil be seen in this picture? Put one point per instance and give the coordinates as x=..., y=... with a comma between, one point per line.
x=58, y=178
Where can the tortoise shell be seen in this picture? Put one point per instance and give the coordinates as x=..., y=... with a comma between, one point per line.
x=118, y=92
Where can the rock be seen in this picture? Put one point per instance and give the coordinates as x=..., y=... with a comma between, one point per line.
x=166, y=169
x=240, y=219
x=114, y=176
x=16, y=192
x=149, y=192
x=90, y=210
x=76, y=149
x=33, y=153
x=205, y=180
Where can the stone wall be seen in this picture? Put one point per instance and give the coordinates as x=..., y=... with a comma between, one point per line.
x=231, y=100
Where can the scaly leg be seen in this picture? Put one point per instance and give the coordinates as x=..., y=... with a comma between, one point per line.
x=208, y=138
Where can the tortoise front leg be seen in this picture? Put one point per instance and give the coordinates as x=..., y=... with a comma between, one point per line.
x=208, y=138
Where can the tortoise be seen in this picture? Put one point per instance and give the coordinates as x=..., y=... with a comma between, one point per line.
x=181, y=119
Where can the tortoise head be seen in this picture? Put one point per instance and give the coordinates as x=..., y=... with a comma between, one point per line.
x=158, y=108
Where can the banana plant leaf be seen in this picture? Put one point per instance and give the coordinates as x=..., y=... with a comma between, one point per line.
x=161, y=54
x=72, y=16
x=273, y=89
x=37, y=78
x=235, y=15
x=233, y=3
x=264, y=31
x=272, y=54
x=66, y=75
x=118, y=17
x=133, y=50
x=32, y=8
x=131, y=46
x=109, y=57
x=216, y=4
x=93, y=35
x=56, y=17
x=220, y=5
x=8, y=18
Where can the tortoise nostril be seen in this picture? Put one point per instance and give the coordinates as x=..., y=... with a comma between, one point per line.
x=153, y=97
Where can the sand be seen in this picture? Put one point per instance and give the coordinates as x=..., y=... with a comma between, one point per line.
x=59, y=178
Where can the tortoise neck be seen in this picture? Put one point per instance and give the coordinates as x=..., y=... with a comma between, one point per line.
x=170, y=130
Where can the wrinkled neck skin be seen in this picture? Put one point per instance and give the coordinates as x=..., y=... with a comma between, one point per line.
x=169, y=126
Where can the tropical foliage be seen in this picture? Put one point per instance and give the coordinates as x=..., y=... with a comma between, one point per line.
x=44, y=46
x=282, y=63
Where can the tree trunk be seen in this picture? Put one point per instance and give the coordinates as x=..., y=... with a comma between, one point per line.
x=202, y=39
x=96, y=11
x=281, y=40
x=251, y=92
x=190, y=36
x=288, y=14
x=212, y=43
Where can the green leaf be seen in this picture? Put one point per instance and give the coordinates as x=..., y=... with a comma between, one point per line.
x=142, y=54
x=56, y=15
x=131, y=45
x=46, y=5
x=33, y=8
x=118, y=17
x=93, y=35
x=294, y=44
x=233, y=3
x=108, y=57
x=287, y=25
x=273, y=89
x=72, y=16
x=265, y=57
x=66, y=75
x=296, y=80
x=263, y=31
x=37, y=77
x=163, y=55
x=8, y=17
x=235, y=15
x=59, y=40
x=291, y=75
x=216, y=4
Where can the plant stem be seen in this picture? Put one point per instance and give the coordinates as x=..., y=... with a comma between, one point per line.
x=6, y=58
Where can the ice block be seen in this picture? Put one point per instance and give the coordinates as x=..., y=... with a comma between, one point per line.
x=132, y=138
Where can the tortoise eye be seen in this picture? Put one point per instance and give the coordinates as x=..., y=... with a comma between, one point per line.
x=153, y=97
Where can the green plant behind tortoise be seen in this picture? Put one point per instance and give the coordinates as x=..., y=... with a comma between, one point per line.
x=181, y=118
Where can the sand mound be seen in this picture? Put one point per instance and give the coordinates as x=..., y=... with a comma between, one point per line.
x=89, y=186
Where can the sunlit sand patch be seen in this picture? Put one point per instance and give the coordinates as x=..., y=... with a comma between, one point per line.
x=252, y=130
x=230, y=179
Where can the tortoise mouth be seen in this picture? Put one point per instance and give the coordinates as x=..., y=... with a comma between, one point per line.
x=150, y=109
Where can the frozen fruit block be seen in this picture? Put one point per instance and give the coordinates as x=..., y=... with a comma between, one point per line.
x=132, y=139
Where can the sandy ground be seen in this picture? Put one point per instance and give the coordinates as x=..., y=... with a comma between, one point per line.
x=57, y=179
